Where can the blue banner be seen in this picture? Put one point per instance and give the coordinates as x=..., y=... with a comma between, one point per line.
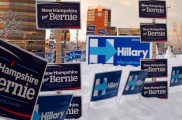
x=134, y=82
x=155, y=67
x=106, y=85
x=156, y=89
x=52, y=107
x=152, y=9
x=57, y=15
x=153, y=32
x=122, y=50
x=62, y=77
x=75, y=108
x=21, y=76
x=176, y=76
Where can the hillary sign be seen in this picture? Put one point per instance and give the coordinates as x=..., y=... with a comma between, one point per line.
x=57, y=15
x=117, y=50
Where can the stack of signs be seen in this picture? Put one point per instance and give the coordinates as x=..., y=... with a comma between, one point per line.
x=21, y=76
x=155, y=67
x=122, y=50
x=106, y=85
x=75, y=108
x=62, y=77
x=155, y=89
x=52, y=107
x=91, y=30
x=176, y=76
x=134, y=82
x=57, y=15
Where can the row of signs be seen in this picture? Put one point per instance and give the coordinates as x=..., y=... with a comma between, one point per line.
x=21, y=79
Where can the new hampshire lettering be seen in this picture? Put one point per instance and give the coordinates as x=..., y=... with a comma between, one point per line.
x=15, y=88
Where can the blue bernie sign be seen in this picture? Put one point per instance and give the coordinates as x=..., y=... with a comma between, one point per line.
x=176, y=76
x=106, y=85
x=21, y=76
x=134, y=82
x=121, y=50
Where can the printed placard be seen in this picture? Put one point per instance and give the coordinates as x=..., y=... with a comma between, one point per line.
x=152, y=9
x=106, y=85
x=134, y=82
x=52, y=107
x=75, y=108
x=153, y=32
x=91, y=28
x=62, y=77
x=155, y=67
x=123, y=50
x=58, y=15
x=176, y=76
x=101, y=32
x=156, y=89
x=21, y=76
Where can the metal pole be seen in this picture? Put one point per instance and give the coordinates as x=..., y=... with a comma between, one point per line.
x=77, y=39
x=153, y=50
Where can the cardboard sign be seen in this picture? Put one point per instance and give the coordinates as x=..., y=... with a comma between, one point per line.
x=134, y=82
x=75, y=108
x=152, y=9
x=176, y=76
x=116, y=50
x=62, y=77
x=57, y=15
x=155, y=67
x=52, y=107
x=106, y=85
x=156, y=89
x=21, y=76
x=153, y=32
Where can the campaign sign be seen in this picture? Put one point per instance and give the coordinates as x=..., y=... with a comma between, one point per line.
x=176, y=76
x=101, y=32
x=21, y=76
x=52, y=107
x=106, y=85
x=122, y=50
x=62, y=77
x=75, y=108
x=156, y=89
x=155, y=67
x=90, y=33
x=57, y=15
x=152, y=9
x=91, y=28
x=134, y=82
x=153, y=32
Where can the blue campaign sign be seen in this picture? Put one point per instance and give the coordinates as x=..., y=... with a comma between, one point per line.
x=91, y=28
x=155, y=89
x=101, y=32
x=106, y=85
x=57, y=15
x=153, y=32
x=152, y=9
x=52, y=107
x=62, y=77
x=176, y=76
x=122, y=50
x=135, y=82
x=75, y=108
x=21, y=76
x=155, y=67
x=50, y=57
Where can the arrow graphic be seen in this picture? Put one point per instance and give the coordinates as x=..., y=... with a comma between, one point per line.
x=36, y=116
x=108, y=51
x=101, y=86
